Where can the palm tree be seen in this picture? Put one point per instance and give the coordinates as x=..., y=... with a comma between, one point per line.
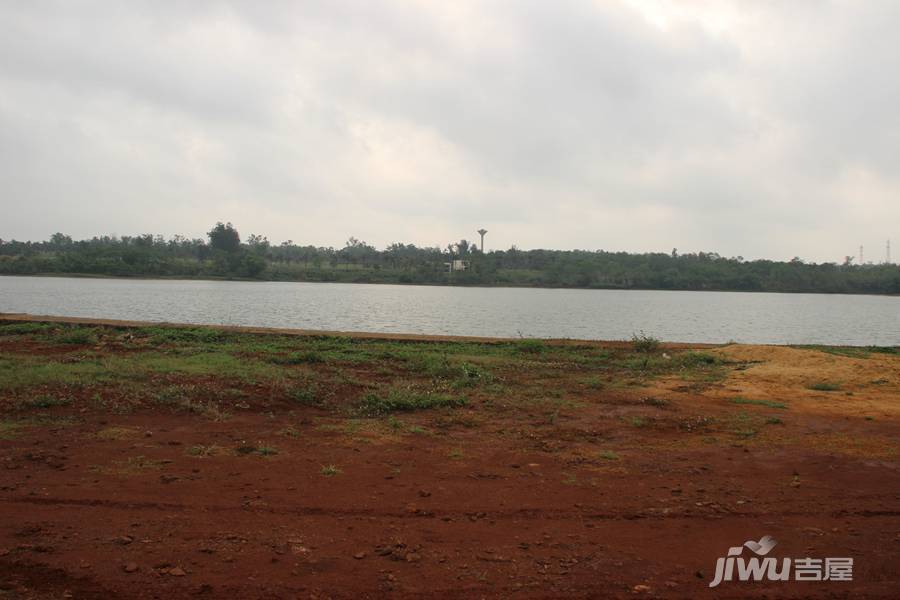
x=481, y=232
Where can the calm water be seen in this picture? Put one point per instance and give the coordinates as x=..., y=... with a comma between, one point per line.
x=507, y=312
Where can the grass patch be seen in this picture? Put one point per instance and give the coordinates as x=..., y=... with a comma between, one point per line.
x=768, y=403
x=637, y=421
x=43, y=401
x=197, y=335
x=594, y=383
x=305, y=396
x=824, y=386
x=373, y=404
x=18, y=372
x=78, y=337
x=774, y=421
x=530, y=346
x=852, y=351
x=24, y=328
x=440, y=366
x=299, y=358
x=608, y=455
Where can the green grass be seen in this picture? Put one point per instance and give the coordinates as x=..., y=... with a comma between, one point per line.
x=404, y=400
x=18, y=372
x=824, y=386
x=768, y=403
x=299, y=358
x=181, y=335
x=644, y=343
x=608, y=455
x=594, y=383
x=78, y=337
x=305, y=395
x=43, y=401
x=25, y=328
x=530, y=346
x=852, y=351
x=690, y=365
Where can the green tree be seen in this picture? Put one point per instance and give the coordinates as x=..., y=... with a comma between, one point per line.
x=224, y=237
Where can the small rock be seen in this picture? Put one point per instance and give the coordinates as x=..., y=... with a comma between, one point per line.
x=131, y=567
x=359, y=555
x=641, y=588
x=413, y=557
x=671, y=584
x=177, y=572
x=424, y=493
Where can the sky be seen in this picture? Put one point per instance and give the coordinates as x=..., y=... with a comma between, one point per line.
x=762, y=129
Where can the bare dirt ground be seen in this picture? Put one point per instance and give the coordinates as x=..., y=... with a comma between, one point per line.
x=565, y=479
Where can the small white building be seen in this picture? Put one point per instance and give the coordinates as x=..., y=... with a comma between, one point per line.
x=456, y=265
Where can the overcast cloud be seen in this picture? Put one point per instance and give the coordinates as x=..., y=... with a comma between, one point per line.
x=761, y=129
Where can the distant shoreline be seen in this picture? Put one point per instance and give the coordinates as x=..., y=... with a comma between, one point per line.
x=426, y=284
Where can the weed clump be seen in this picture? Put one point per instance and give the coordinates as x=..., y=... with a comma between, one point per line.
x=305, y=396
x=373, y=404
x=768, y=403
x=299, y=358
x=78, y=337
x=330, y=470
x=530, y=346
x=643, y=343
x=824, y=386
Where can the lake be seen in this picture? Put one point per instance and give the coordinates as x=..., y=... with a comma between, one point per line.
x=505, y=312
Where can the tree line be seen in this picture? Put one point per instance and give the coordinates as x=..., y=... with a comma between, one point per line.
x=223, y=254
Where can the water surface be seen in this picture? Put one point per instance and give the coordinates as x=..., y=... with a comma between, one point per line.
x=507, y=312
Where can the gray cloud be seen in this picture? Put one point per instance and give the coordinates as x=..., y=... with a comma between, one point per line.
x=754, y=129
